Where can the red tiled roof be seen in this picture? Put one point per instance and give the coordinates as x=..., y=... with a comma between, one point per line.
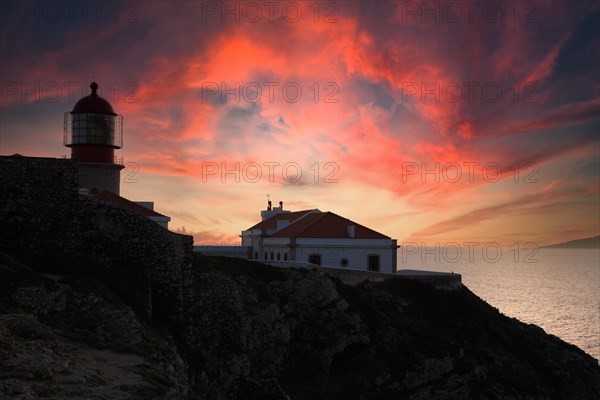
x=271, y=223
x=127, y=204
x=326, y=225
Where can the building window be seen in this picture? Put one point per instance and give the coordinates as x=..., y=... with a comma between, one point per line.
x=344, y=262
x=314, y=259
x=278, y=256
x=284, y=256
x=373, y=262
x=266, y=255
x=272, y=256
x=256, y=255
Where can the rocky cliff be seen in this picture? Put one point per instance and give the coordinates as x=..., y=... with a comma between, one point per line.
x=256, y=332
x=100, y=303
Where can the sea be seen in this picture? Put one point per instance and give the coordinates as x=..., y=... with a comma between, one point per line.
x=556, y=289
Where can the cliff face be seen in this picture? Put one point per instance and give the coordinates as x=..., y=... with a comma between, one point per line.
x=72, y=336
x=256, y=332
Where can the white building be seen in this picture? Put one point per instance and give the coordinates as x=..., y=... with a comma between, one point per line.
x=321, y=238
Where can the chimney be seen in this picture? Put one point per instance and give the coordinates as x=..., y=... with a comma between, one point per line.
x=351, y=229
x=272, y=211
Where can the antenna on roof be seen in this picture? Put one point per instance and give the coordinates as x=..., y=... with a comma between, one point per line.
x=268, y=202
x=281, y=205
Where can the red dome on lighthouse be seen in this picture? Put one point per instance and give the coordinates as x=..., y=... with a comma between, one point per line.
x=93, y=103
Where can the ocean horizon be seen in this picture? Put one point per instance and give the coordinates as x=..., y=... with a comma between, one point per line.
x=556, y=289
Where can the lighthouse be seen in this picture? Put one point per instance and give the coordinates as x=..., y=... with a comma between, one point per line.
x=94, y=131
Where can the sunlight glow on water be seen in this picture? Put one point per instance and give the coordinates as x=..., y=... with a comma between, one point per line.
x=560, y=292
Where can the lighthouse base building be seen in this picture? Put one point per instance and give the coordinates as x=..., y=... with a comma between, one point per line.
x=96, y=178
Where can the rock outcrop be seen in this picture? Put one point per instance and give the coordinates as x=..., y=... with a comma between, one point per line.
x=257, y=332
x=71, y=337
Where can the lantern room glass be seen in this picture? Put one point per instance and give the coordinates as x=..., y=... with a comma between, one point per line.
x=91, y=128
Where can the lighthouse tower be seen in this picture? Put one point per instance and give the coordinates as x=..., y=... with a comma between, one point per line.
x=93, y=131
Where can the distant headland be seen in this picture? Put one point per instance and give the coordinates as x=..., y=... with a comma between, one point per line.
x=587, y=243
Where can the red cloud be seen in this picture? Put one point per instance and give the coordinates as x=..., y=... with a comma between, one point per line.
x=392, y=81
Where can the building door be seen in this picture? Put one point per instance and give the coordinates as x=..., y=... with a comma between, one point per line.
x=373, y=262
x=314, y=259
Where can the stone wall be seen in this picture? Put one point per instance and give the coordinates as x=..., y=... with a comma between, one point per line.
x=41, y=212
x=352, y=277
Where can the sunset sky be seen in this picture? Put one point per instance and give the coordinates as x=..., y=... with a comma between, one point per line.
x=428, y=122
